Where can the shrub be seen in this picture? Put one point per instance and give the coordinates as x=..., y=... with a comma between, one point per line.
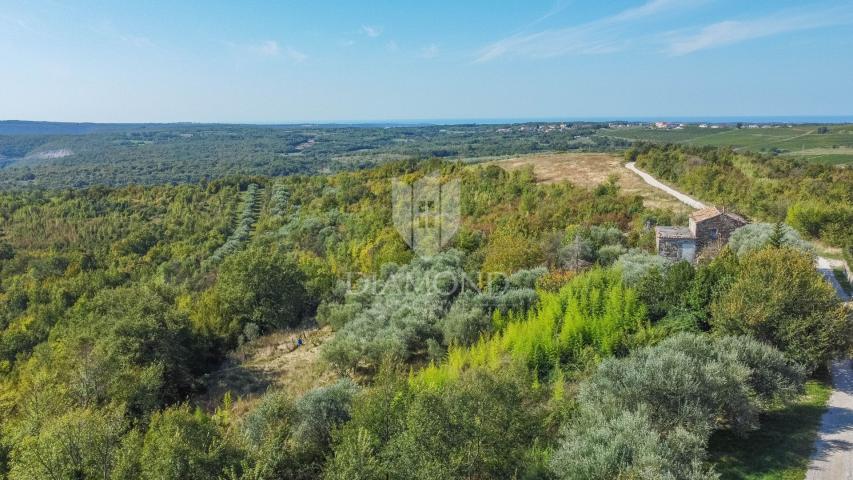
x=510, y=249
x=817, y=219
x=432, y=298
x=755, y=236
x=610, y=253
x=181, y=445
x=779, y=297
x=78, y=444
x=396, y=313
x=594, y=314
x=6, y=251
x=481, y=426
x=635, y=264
x=465, y=321
x=625, y=444
x=261, y=287
x=650, y=414
x=662, y=291
x=322, y=410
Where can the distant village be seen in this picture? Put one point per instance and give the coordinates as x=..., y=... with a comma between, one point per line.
x=658, y=125
x=682, y=126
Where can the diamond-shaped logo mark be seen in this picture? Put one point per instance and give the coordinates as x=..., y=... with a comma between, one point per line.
x=426, y=212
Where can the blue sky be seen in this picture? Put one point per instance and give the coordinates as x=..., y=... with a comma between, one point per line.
x=321, y=60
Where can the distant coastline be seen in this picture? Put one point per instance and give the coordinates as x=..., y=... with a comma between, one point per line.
x=12, y=127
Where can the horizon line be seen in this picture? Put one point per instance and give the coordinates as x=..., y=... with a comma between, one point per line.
x=787, y=119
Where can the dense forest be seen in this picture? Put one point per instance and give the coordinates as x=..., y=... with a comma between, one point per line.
x=545, y=341
x=80, y=155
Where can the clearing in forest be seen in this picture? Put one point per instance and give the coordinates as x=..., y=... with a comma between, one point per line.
x=271, y=361
x=589, y=170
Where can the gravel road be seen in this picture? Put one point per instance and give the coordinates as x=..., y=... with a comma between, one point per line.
x=833, y=456
x=686, y=199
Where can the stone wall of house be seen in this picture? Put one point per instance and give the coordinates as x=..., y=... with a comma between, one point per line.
x=671, y=247
x=704, y=230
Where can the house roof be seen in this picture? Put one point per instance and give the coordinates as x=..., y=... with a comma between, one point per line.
x=711, y=212
x=673, y=232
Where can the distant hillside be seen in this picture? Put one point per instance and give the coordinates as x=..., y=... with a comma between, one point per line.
x=60, y=155
x=830, y=144
x=22, y=127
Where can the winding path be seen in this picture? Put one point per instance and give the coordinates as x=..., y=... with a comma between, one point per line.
x=833, y=455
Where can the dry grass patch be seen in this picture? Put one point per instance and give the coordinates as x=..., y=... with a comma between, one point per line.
x=589, y=170
x=270, y=361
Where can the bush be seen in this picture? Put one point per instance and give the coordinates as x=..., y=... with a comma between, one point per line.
x=6, y=251
x=322, y=410
x=396, y=313
x=665, y=291
x=465, y=321
x=635, y=264
x=181, y=445
x=610, y=253
x=261, y=287
x=625, y=444
x=649, y=415
x=593, y=315
x=817, y=219
x=779, y=298
x=479, y=427
x=432, y=298
x=756, y=236
x=510, y=249
x=78, y=444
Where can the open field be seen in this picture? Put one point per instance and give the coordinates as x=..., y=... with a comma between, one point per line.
x=835, y=146
x=589, y=170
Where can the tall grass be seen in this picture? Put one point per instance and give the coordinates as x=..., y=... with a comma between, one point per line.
x=593, y=315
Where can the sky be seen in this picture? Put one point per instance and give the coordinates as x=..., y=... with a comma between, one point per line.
x=352, y=61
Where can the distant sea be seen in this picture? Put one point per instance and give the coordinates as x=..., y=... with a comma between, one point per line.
x=13, y=127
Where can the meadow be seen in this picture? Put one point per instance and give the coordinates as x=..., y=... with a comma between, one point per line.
x=833, y=147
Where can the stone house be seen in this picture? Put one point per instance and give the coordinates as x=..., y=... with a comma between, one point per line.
x=708, y=226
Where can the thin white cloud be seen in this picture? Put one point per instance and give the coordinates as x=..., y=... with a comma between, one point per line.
x=139, y=42
x=271, y=48
x=267, y=48
x=596, y=37
x=392, y=46
x=371, y=31
x=16, y=22
x=108, y=29
x=295, y=55
x=558, y=7
x=735, y=31
x=647, y=9
x=430, y=51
